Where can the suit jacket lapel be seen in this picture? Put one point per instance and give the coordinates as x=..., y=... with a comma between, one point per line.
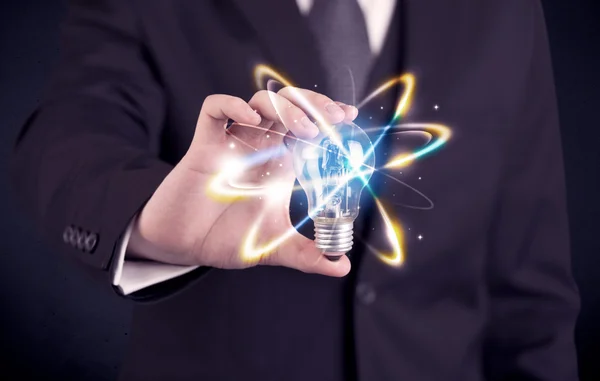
x=287, y=42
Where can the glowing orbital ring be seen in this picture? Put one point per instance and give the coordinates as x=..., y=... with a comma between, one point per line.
x=441, y=134
x=393, y=229
x=225, y=187
x=263, y=71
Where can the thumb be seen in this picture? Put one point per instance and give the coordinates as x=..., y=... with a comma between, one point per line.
x=300, y=253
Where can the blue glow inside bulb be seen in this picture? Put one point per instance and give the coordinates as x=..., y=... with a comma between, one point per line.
x=333, y=170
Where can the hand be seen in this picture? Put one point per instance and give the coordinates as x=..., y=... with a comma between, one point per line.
x=183, y=224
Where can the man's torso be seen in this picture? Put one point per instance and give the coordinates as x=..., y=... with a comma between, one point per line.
x=424, y=320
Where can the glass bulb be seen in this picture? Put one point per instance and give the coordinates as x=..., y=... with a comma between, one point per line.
x=333, y=169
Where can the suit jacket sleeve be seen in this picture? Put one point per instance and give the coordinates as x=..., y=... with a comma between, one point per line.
x=131, y=276
x=534, y=300
x=86, y=160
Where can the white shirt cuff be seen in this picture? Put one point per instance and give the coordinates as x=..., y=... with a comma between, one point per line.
x=131, y=276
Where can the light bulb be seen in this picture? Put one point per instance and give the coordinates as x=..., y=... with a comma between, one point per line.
x=333, y=169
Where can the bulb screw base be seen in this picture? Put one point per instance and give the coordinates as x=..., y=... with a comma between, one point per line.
x=334, y=238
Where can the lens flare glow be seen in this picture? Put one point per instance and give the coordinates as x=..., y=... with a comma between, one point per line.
x=253, y=253
x=408, y=80
x=264, y=73
x=394, y=234
x=227, y=184
x=441, y=135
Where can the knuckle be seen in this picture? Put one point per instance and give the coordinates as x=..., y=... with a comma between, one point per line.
x=324, y=100
x=212, y=98
x=237, y=102
x=283, y=90
x=286, y=91
x=259, y=97
x=287, y=115
x=261, y=94
x=296, y=114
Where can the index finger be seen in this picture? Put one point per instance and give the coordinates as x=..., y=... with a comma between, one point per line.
x=215, y=112
x=319, y=106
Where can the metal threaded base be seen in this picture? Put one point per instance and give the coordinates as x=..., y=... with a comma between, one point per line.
x=334, y=238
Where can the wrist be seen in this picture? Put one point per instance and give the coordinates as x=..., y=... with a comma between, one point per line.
x=141, y=246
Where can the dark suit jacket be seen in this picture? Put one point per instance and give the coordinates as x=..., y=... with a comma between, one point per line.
x=486, y=294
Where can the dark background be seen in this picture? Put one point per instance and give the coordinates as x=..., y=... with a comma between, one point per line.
x=57, y=324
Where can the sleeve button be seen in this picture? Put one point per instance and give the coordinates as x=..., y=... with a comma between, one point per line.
x=90, y=242
x=80, y=243
x=67, y=234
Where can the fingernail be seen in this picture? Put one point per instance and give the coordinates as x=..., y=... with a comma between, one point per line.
x=335, y=110
x=308, y=124
x=333, y=258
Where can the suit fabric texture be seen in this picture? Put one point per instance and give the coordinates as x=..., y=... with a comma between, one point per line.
x=486, y=293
